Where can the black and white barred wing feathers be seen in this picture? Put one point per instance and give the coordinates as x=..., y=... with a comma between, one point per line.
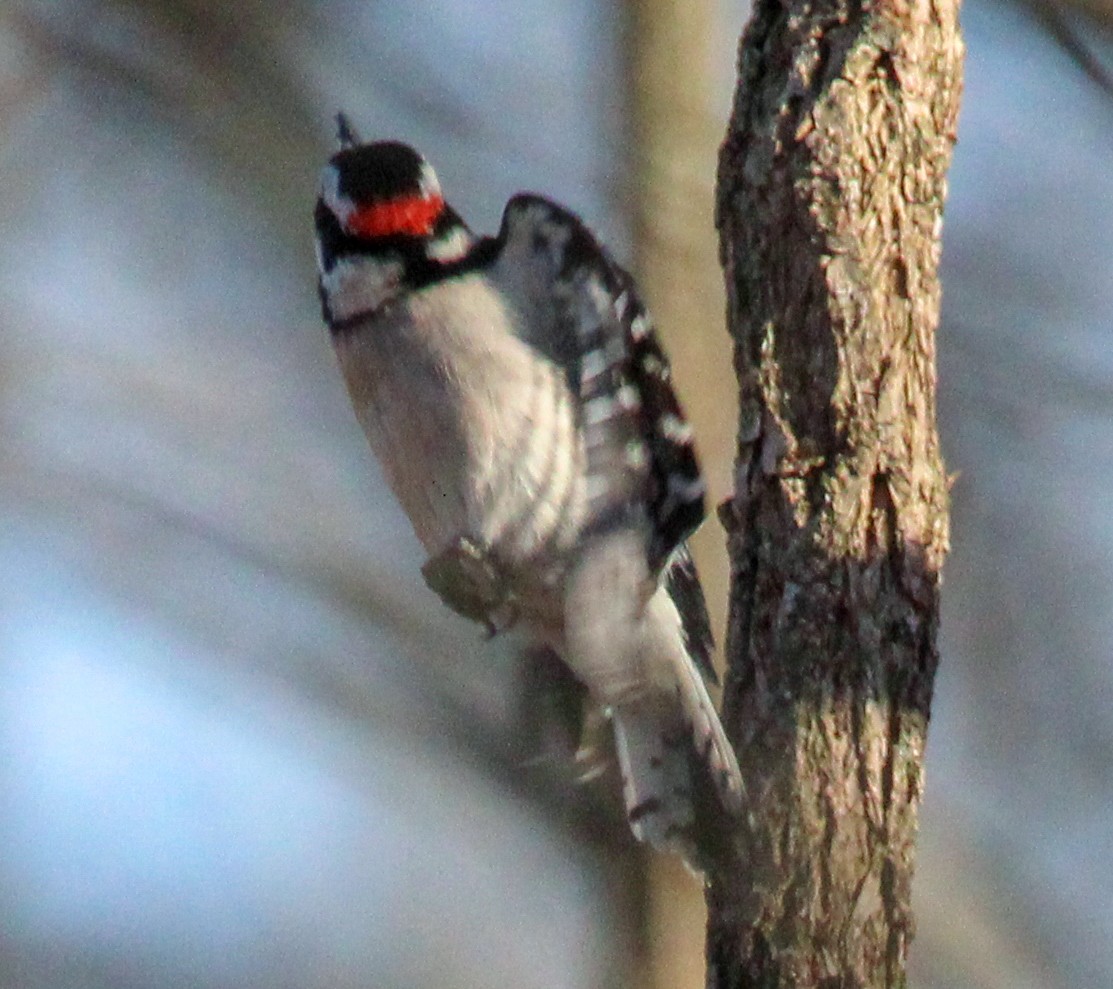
x=583, y=313
x=636, y=627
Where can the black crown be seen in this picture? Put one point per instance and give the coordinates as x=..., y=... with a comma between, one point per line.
x=371, y=173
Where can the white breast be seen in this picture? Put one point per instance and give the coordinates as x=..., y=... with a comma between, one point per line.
x=476, y=431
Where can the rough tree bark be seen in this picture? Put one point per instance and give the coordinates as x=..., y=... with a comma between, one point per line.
x=831, y=188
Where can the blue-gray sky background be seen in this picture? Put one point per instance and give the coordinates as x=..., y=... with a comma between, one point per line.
x=240, y=745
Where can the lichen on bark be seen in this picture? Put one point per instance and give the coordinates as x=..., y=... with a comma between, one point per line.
x=831, y=188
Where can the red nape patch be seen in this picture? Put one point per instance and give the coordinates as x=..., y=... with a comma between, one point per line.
x=413, y=215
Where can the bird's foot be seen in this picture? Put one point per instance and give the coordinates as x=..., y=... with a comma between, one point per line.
x=467, y=579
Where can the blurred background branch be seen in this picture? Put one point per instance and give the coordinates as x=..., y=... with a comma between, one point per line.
x=1070, y=33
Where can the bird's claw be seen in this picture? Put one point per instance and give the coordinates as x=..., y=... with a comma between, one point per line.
x=465, y=577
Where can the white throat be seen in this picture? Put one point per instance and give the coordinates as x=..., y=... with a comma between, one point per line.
x=359, y=285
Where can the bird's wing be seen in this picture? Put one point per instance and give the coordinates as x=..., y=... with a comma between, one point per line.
x=582, y=312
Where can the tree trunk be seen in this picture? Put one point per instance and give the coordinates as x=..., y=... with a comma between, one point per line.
x=831, y=188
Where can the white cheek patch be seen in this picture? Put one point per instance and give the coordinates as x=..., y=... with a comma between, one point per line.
x=358, y=285
x=341, y=206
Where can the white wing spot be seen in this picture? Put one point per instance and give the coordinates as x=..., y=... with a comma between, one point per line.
x=675, y=428
x=600, y=297
x=636, y=455
x=593, y=365
x=598, y=410
x=652, y=364
x=628, y=398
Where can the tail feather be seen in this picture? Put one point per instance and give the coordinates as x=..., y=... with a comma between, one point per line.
x=640, y=657
x=681, y=781
x=656, y=779
x=706, y=736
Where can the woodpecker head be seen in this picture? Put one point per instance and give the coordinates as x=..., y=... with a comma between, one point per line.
x=382, y=225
